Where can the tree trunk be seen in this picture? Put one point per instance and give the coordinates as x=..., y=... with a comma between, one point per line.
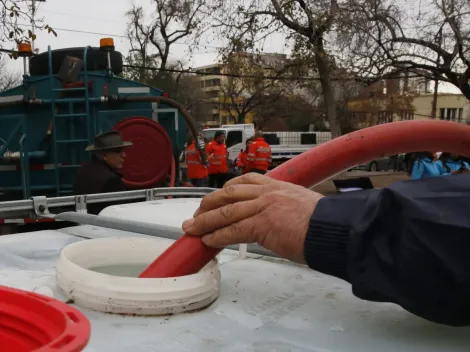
x=434, y=100
x=328, y=91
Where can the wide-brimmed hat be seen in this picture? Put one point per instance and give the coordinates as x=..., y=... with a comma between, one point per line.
x=108, y=141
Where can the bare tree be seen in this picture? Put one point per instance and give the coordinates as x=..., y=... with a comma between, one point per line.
x=430, y=39
x=189, y=93
x=256, y=81
x=308, y=22
x=8, y=79
x=12, y=14
x=172, y=20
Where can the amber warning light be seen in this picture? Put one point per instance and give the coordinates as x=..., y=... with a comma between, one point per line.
x=106, y=42
x=25, y=48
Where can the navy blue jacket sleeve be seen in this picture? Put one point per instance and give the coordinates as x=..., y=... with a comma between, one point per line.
x=407, y=244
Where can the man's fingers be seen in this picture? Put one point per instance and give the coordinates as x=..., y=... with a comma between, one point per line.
x=244, y=231
x=228, y=195
x=222, y=217
x=250, y=179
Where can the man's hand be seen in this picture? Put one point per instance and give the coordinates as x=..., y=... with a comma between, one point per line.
x=255, y=208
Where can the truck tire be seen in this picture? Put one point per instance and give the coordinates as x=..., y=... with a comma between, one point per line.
x=96, y=60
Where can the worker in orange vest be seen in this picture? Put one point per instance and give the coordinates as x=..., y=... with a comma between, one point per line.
x=259, y=155
x=197, y=171
x=217, y=155
x=242, y=161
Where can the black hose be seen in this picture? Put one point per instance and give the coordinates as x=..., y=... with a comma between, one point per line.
x=173, y=103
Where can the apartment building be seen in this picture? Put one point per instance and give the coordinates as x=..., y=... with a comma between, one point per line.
x=210, y=83
x=449, y=106
x=216, y=88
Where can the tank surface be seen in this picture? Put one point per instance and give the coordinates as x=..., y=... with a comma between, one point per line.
x=265, y=304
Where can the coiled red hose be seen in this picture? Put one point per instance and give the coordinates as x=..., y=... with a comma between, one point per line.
x=188, y=255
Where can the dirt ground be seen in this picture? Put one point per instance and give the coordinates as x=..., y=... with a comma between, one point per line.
x=379, y=180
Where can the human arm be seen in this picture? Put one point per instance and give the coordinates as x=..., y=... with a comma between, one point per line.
x=418, y=170
x=250, y=156
x=407, y=244
x=209, y=150
x=239, y=161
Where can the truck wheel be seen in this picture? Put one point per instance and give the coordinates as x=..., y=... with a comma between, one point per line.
x=373, y=166
x=97, y=60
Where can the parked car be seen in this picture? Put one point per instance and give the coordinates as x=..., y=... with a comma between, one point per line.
x=383, y=164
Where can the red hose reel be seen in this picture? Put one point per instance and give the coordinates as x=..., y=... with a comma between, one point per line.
x=188, y=254
x=151, y=155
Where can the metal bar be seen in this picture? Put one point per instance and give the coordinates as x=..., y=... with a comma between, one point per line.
x=72, y=100
x=68, y=89
x=24, y=167
x=72, y=133
x=121, y=224
x=143, y=228
x=33, y=188
x=70, y=115
x=54, y=127
x=71, y=141
x=87, y=105
x=14, y=116
x=125, y=111
x=54, y=202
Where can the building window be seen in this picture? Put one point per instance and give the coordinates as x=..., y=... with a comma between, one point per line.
x=442, y=114
x=213, y=83
x=214, y=70
x=451, y=114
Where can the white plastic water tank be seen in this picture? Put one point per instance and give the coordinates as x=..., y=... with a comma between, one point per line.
x=101, y=274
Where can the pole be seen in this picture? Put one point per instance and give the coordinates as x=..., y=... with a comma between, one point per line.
x=436, y=81
x=33, y=12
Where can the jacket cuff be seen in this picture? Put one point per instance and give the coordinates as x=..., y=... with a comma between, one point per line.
x=326, y=248
x=327, y=240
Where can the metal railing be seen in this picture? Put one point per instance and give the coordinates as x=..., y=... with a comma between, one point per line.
x=41, y=207
x=80, y=201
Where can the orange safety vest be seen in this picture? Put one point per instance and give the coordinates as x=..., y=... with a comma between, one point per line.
x=217, y=154
x=242, y=161
x=259, y=155
x=196, y=167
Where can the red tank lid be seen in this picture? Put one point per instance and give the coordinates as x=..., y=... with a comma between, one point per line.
x=149, y=160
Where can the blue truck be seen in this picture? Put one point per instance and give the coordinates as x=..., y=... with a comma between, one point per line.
x=67, y=97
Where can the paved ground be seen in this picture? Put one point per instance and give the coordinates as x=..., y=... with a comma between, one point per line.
x=379, y=180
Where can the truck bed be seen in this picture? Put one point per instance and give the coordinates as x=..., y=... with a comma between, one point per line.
x=266, y=304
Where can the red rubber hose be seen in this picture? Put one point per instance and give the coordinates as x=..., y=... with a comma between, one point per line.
x=188, y=254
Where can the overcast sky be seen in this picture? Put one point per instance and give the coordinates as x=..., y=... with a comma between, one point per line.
x=106, y=18
x=84, y=22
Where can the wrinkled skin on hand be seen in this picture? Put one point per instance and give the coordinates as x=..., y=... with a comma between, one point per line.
x=256, y=209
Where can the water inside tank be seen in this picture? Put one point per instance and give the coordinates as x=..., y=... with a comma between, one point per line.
x=124, y=270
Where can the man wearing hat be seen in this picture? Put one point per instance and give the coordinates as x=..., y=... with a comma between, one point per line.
x=217, y=154
x=101, y=174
